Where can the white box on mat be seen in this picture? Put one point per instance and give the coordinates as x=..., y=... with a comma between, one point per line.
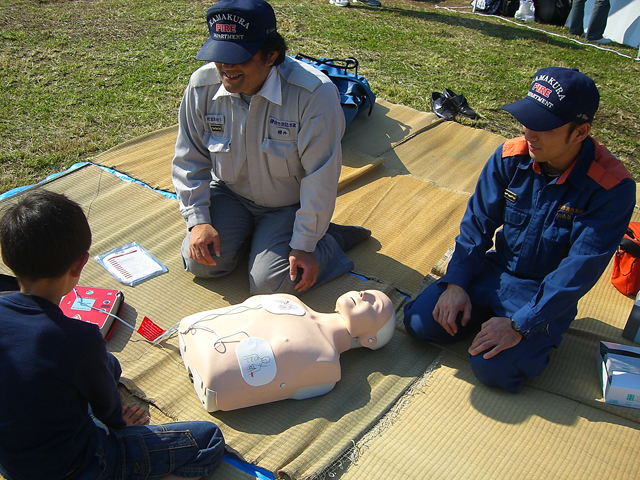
x=620, y=369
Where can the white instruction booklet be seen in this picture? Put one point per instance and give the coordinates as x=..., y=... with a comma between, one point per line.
x=131, y=264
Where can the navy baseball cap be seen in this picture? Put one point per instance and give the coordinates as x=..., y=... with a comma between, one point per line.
x=237, y=30
x=557, y=96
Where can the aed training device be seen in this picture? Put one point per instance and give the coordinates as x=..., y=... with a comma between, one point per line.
x=93, y=305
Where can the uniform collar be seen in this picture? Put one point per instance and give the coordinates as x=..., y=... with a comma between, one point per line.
x=577, y=171
x=271, y=90
x=578, y=175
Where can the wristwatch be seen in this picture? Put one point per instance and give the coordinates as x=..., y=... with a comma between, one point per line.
x=516, y=328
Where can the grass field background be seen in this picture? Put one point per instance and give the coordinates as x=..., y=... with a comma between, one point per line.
x=78, y=77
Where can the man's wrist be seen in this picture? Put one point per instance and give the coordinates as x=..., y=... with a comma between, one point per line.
x=517, y=329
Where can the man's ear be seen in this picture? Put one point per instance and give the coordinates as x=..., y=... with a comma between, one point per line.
x=78, y=265
x=272, y=58
x=582, y=132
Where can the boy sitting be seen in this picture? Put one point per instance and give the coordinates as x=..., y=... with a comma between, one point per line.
x=54, y=368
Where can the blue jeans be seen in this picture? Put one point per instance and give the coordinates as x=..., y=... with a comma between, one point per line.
x=492, y=293
x=185, y=449
x=265, y=233
x=597, y=22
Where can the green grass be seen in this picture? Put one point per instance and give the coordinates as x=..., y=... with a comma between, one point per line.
x=78, y=77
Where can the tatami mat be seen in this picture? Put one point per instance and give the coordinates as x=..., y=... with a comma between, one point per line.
x=458, y=429
x=146, y=158
x=449, y=155
x=297, y=439
x=407, y=176
x=388, y=126
x=413, y=223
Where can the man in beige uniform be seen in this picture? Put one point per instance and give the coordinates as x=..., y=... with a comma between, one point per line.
x=258, y=158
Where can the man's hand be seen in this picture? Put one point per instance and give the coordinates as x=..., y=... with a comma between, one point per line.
x=497, y=333
x=310, y=268
x=134, y=415
x=452, y=301
x=201, y=237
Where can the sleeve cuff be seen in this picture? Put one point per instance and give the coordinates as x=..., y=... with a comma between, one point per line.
x=458, y=277
x=196, y=218
x=306, y=244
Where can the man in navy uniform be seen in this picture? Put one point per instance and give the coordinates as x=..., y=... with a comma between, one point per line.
x=558, y=203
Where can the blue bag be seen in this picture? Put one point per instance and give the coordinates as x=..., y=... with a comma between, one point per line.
x=355, y=92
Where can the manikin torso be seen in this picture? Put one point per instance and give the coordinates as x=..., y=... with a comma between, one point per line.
x=274, y=347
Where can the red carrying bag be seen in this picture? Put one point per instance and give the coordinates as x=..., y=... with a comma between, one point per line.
x=626, y=262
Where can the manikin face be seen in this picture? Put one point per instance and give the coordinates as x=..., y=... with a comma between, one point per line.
x=247, y=77
x=365, y=312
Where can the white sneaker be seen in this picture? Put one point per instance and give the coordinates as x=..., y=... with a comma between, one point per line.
x=339, y=3
x=526, y=12
x=603, y=41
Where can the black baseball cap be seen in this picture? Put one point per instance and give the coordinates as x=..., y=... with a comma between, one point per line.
x=557, y=96
x=237, y=30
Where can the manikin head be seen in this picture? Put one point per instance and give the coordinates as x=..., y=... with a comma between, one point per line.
x=369, y=317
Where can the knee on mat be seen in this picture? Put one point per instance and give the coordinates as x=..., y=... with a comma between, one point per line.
x=416, y=326
x=212, y=439
x=271, y=283
x=423, y=327
x=494, y=373
x=222, y=267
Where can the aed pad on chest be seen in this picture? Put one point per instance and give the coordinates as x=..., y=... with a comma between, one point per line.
x=257, y=362
x=282, y=306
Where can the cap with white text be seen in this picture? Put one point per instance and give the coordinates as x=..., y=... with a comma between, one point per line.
x=557, y=96
x=237, y=30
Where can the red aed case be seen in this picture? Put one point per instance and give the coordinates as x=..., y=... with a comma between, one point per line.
x=93, y=305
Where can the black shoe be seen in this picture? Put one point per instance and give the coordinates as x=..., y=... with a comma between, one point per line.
x=460, y=105
x=441, y=106
x=348, y=236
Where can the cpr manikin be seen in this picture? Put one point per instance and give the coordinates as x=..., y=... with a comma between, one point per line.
x=274, y=347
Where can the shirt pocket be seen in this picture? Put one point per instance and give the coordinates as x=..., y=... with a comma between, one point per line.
x=221, y=159
x=283, y=158
x=554, y=245
x=515, y=222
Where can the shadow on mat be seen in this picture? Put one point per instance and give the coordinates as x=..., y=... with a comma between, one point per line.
x=351, y=393
x=378, y=134
x=506, y=407
x=572, y=376
x=121, y=334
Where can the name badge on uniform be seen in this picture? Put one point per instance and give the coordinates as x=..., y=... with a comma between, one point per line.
x=565, y=212
x=282, y=132
x=510, y=196
x=282, y=127
x=215, y=122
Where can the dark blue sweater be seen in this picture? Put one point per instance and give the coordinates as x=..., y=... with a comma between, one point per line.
x=51, y=368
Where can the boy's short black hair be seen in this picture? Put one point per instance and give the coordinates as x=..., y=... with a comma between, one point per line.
x=43, y=234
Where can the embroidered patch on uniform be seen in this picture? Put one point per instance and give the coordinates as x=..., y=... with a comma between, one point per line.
x=509, y=195
x=565, y=212
x=219, y=119
x=282, y=132
x=215, y=122
x=282, y=123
